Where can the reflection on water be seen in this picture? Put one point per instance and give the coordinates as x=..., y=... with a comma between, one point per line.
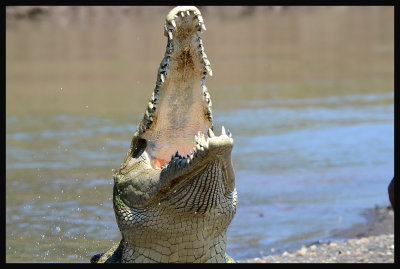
x=307, y=93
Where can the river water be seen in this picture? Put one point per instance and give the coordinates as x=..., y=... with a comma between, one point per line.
x=308, y=94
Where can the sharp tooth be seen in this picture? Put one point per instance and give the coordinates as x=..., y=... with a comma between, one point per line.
x=173, y=23
x=147, y=115
x=203, y=26
x=182, y=14
x=188, y=12
x=162, y=78
x=223, y=130
x=210, y=133
x=208, y=68
x=170, y=35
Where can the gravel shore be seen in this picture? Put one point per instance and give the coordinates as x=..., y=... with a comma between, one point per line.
x=374, y=243
x=373, y=249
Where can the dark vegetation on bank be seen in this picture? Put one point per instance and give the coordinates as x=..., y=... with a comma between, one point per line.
x=224, y=12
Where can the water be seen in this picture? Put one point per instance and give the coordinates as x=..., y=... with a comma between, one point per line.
x=308, y=95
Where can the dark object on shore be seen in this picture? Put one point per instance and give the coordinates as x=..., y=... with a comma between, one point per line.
x=391, y=193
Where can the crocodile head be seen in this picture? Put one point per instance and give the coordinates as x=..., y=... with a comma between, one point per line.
x=174, y=194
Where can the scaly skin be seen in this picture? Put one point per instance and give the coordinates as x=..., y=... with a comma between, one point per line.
x=174, y=195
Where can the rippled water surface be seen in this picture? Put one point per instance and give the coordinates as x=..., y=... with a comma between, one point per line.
x=307, y=93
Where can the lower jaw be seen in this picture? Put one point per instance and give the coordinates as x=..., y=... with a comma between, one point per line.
x=201, y=145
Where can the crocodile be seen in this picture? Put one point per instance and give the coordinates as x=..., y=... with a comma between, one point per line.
x=174, y=195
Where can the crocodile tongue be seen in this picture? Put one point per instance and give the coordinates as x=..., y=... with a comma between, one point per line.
x=180, y=106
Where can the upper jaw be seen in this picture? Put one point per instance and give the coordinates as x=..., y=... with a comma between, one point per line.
x=181, y=27
x=180, y=105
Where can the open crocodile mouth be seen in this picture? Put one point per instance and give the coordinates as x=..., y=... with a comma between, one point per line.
x=177, y=125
